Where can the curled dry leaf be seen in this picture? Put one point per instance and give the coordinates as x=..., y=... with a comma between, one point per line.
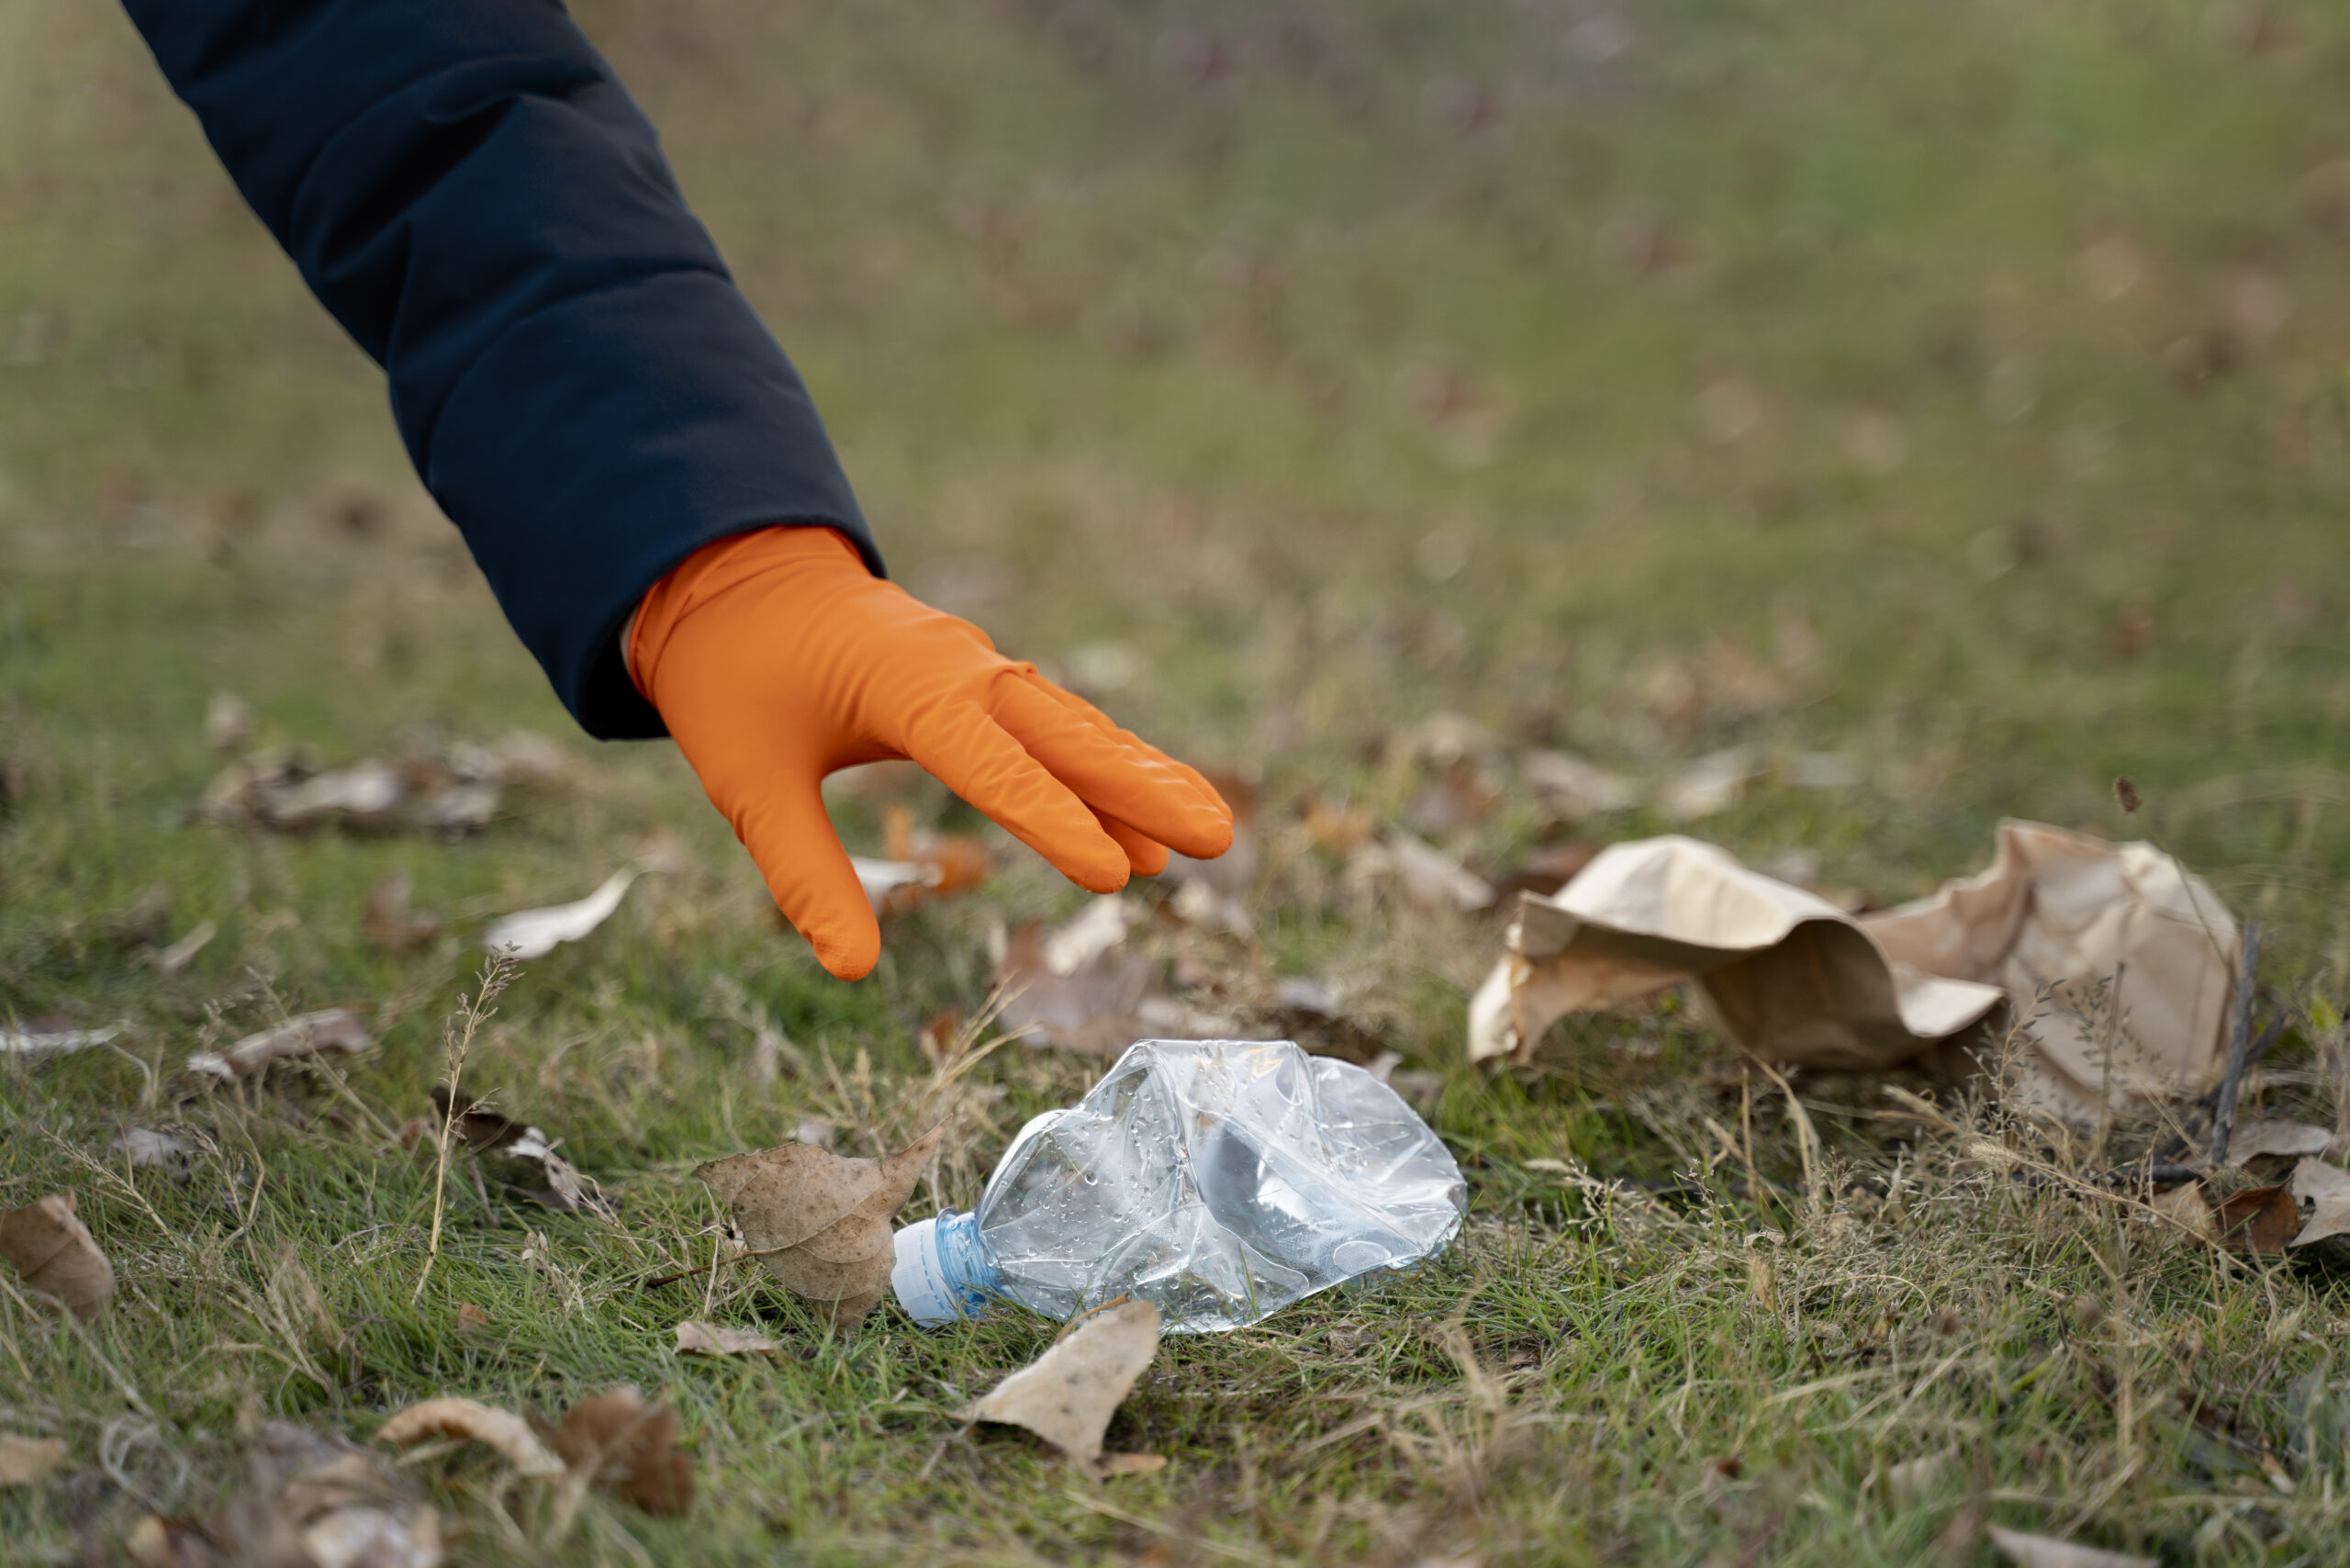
x=620, y=1445
x=2259, y=1220
x=2046, y=1551
x=313, y=1501
x=332, y=1031
x=2268, y=1138
x=820, y=1222
x=469, y=1421
x=534, y=933
x=942, y=865
x=1067, y=1394
x=2326, y=1189
x=520, y=1157
x=56, y=1256
x=27, y=1460
x=717, y=1339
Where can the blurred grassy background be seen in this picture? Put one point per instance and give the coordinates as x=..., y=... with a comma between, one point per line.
x=1959, y=390
x=1961, y=387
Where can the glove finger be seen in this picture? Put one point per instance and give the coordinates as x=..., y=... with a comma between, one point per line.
x=1098, y=720
x=791, y=837
x=1145, y=855
x=972, y=756
x=1117, y=775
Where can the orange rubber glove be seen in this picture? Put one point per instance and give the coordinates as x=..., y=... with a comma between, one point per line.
x=776, y=657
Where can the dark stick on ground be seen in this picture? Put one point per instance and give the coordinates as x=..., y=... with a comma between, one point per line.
x=2223, y=1112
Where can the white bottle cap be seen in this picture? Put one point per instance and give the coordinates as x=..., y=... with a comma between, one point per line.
x=918, y=1280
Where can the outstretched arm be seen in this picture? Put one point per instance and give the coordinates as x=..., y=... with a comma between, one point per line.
x=470, y=191
x=468, y=188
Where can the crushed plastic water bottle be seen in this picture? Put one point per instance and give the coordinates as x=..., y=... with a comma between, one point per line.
x=1220, y=1180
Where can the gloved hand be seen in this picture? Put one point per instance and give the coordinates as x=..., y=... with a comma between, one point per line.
x=776, y=657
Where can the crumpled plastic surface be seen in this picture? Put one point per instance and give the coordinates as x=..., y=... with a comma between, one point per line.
x=1797, y=980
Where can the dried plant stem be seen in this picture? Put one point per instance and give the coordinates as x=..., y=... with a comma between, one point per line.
x=457, y=1034
x=2223, y=1113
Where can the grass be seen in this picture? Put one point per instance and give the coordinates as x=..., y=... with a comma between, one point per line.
x=1959, y=389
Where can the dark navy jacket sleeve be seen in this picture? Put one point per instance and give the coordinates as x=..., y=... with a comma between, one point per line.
x=466, y=184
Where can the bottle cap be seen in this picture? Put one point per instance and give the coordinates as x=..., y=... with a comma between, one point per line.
x=920, y=1280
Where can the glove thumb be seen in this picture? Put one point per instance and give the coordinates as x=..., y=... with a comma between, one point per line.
x=790, y=837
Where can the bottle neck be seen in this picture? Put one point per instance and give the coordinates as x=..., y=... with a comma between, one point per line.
x=967, y=1262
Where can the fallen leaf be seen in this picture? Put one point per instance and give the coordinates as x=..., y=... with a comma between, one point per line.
x=468, y=1421
x=520, y=1156
x=2188, y=1207
x=1795, y=978
x=1462, y=796
x=717, y=1339
x=313, y=1501
x=1710, y=785
x=332, y=1031
x=55, y=1255
x=26, y=1460
x=534, y=933
x=2326, y=1187
x=457, y=789
x=54, y=1042
x=820, y=1221
x=2046, y=1551
x=2264, y=1138
x=622, y=1446
x=387, y=921
x=1430, y=878
x=890, y=886
x=1574, y=789
x=951, y=864
x=170, y=960
x=143, y=1147
x=2259, y=1220
x=1076, y=987
x=1067, y=1394
x=1110, y=1464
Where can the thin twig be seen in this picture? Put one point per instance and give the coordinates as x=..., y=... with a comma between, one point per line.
x=496, y=975
x=2223, y=1113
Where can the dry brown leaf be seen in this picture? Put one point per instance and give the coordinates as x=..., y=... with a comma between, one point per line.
x=1129, y=1464
x=55, y=1255
x=2046, y=1551
x=388, y=922
x=2326, y=1187
x=923, y=864
x=622, y=1446
x=332, y=1031
x=2260, y=1220
x=314, y=1502
x=1075, y=987
x=534, y=933
x=468, y=1421
x=820, y=1222
x=2188, y=1208
x=27, y=1460
x=1067, y=1394
x=2268, y=1138
x=695, y=1339
x=520, y=1157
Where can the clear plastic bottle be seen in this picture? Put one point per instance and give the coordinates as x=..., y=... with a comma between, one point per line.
x=1221, y=1179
